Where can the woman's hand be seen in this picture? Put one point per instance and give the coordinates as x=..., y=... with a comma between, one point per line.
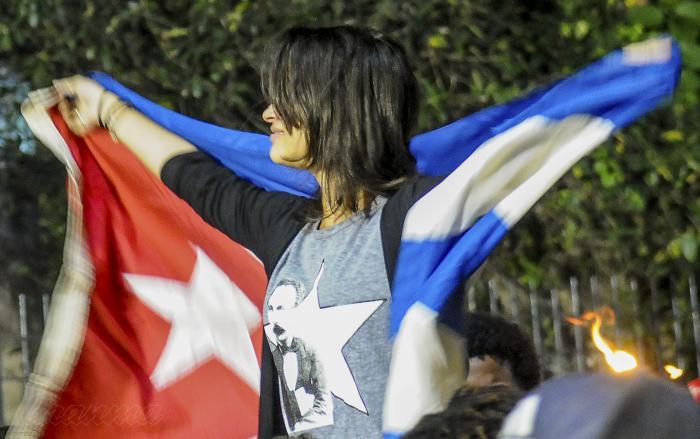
x=84, y=102
x=80, y=102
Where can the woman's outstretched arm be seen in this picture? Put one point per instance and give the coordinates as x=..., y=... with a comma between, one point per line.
x=86, y=104
x=262, y=221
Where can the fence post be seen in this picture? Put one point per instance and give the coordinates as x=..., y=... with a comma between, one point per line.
x=2, y=391
x=637, y=309
x=558, y=336
x=656, y=332
x=615, y=298
x=578, y=330
x=493, y=298
x=695, y=307
x=24, y=335
x=45, y=302
x=595, y=293
x=677, y=330
x=471, y=300
x=536, y=326
x=514, y=308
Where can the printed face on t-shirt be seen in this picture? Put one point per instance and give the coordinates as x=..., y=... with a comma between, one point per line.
x=307, y=342
x=284, y=297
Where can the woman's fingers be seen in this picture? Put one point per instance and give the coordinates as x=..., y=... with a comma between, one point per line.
x=71, y=115
x=73, y=86
x=79, y=96
x=63, y=87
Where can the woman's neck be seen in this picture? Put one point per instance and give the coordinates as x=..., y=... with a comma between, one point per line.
x=332, y=214
x=330, y=219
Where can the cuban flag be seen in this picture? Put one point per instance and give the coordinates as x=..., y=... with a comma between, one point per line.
x=497, y=162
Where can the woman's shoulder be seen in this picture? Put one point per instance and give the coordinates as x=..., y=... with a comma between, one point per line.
x=413, y=189
x=398, y=204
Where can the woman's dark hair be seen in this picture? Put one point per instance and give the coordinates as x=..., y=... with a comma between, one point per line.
x=353, y=92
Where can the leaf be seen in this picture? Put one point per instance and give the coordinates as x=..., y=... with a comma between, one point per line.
x=665, y=172
x=646, y=15
x=674, y=248
x=691, y=55
x=565, y=29
x=672, y=135
x=476, y=31
x=634, y=200
x=684, y=30
x=233, y=19
x=174, y=33
x=689, y=10
x=690, y=80
x=437, y=41
x=600, y=168
x=581, y=29
x=689, y=245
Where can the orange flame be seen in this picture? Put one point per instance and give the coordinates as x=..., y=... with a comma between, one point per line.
x=619, y=361
x=673, y=372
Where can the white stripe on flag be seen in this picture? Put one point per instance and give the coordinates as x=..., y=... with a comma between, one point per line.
x=567, y=142
x=514, y=168
x=427, y=366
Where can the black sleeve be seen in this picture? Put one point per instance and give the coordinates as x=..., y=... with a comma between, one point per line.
x=264, y=222
x=394, y=214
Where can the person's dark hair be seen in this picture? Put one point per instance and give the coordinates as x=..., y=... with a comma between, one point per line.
x=473, y=413
x=353, y=92
x=488, y=334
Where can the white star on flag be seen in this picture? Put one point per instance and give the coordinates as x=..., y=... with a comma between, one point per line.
x=328, y=330
x=210, y=316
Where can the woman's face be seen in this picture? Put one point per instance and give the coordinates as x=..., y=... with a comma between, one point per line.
x=288, y=148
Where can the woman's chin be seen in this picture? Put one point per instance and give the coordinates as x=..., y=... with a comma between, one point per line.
x=279, y=159
x=275, y=155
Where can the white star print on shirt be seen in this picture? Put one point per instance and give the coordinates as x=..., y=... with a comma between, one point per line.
x=210, y=317
x=328, y=330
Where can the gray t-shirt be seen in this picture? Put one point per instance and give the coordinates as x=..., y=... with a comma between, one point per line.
x=326, y=315
x=350, y=305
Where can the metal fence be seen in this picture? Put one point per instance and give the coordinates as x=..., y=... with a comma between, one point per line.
x=18, y=350
x=659, y=327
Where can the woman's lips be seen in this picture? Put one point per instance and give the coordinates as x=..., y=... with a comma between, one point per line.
x=275, y=132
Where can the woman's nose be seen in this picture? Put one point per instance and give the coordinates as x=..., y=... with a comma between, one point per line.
x=269, y=115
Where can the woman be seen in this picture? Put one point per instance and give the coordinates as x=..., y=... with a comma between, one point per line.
x=343, y=102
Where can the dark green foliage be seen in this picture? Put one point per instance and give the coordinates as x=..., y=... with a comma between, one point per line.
x=632, y=207
x=32, y=217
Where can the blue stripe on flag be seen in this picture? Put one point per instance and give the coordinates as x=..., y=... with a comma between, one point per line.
x=246, y=154
x=608, y=88
x=457, y=257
